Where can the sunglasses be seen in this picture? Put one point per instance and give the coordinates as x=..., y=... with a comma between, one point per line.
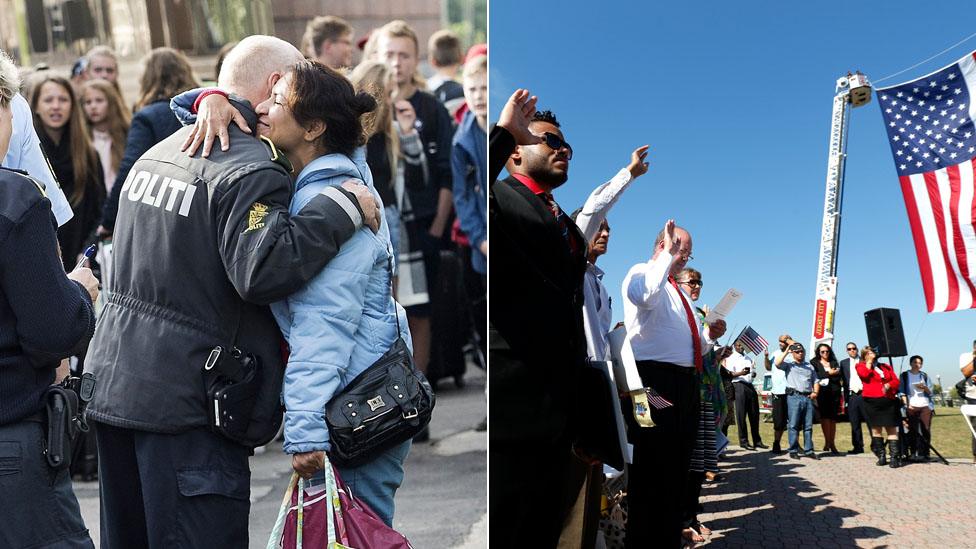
x=852, y=348
x=555, y=143
x=693, y=283
x=822, y=351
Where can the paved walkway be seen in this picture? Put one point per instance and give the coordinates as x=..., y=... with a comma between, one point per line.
x=838, y=501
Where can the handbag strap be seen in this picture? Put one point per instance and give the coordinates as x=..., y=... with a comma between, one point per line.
x=389, y=269
x=274, y=540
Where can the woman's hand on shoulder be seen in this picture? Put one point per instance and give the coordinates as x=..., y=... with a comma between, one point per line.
x=214, y=115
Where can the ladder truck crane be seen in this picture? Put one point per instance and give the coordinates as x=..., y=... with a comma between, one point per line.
x=852, y=91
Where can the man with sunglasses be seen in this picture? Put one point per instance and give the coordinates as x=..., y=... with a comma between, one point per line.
x=802, y=391
x=778, y=388
x=852, y=396
x=669, y=345
x=536, y=337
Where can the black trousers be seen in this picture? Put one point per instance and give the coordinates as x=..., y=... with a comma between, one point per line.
x=659, y=475
x=160, y=490
x=747, y=406
x=37, y=505
x=855, y=414
x=531, y=492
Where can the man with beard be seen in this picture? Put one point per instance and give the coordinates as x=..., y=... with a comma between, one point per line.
x=669, y=344
x=536, y=337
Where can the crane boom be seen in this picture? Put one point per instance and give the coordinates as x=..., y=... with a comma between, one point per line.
x=852, y=91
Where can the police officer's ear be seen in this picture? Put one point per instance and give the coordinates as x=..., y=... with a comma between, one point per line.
x=314, y=130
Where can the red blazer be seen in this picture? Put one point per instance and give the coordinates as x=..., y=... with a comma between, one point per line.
x=873, y=383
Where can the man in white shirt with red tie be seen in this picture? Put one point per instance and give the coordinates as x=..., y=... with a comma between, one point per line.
x=669, y=345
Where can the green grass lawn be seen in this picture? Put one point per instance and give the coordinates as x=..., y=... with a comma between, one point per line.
x=950, y=434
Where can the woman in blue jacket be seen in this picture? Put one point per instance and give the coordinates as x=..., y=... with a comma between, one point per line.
x=345, y=318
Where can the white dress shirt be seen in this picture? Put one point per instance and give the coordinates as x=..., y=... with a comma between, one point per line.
x=599, y=203
x=597, y=314
x=856, y=385
x=25, y=154
x=736, y=363
x=655, y=316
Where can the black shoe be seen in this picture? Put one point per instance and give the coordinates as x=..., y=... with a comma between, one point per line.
x=483, y=426
x=746, y=446
x=776, y=448
x=856, y=451
x=794, y=455
x=761, y=445
x=812, y=455
x=835, y=452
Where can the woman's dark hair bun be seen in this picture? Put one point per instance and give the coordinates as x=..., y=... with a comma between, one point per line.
x=364, y=103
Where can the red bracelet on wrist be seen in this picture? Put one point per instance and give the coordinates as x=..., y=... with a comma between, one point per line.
x=204, y=94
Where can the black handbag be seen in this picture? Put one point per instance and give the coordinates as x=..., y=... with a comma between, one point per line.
x=386, y=405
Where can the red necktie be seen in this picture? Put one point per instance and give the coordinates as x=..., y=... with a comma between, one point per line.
x=693, y=325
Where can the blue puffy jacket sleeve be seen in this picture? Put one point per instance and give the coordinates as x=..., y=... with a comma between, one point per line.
x=322, y=320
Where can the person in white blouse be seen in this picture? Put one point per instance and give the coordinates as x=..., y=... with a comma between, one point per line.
x=669, y=344
x=597, y=316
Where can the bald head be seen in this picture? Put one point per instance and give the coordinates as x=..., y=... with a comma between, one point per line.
x=255, y=64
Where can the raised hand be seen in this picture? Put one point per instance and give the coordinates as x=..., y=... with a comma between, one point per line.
x=637, y=166
x=516, y=116
x=672, y=243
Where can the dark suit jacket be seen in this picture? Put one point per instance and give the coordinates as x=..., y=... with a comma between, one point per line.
x=538, y=347
x=845, y=369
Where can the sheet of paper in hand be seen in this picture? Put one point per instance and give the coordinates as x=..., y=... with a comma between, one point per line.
x=724, y=307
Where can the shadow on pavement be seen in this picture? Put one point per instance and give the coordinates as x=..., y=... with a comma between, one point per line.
x=765, y=502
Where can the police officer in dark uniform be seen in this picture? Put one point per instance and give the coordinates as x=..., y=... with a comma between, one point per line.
x=201, y=246
x=44, y=317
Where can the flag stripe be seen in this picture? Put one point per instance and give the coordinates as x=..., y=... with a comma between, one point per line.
x=918, y=235
x=939, y=199
x=967, y=192
x=957, y=251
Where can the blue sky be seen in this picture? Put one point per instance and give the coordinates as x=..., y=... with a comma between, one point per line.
x=734, y=99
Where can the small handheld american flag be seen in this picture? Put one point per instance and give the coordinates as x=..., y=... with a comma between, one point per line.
x=656, y=400
x=752, y=340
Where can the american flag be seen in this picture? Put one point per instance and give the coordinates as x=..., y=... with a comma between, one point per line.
x=656, y=400
x=751, y=339
x=933, y=140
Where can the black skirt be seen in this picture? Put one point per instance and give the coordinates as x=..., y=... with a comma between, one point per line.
x=882, y=412
x=828, y=403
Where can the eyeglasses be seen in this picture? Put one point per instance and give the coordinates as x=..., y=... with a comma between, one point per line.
x=693, y=283
x=686, y=255
x=555, y=143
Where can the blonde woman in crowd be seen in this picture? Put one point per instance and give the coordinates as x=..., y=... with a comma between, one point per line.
x=108, y=121
x=383, y=147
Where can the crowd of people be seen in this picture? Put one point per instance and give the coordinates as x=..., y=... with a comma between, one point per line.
x=356, y=223
x=549, y=328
